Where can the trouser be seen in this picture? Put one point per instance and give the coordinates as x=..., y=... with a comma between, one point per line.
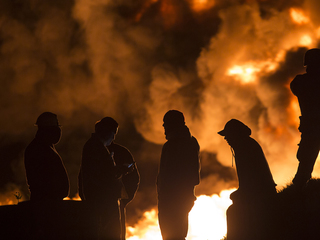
x=307, y=155
x=123, y=220
x=173, y=219
x=104, y=220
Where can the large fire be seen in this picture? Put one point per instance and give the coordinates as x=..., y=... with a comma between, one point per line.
x=212, y=59
x=207, y=220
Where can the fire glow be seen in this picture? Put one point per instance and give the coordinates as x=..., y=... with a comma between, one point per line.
x=248, y=73
x=207, y=220
x=201, y=5
x=85, y=60
x=298, y=16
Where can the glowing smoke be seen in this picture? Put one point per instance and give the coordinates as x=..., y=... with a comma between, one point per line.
x=134, y=60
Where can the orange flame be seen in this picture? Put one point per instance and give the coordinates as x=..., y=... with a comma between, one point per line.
x=298, y=16
x=201, y=5
x=207, y=220
x=247, y=72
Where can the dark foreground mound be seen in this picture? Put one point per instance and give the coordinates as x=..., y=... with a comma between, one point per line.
x=294, y=214
x=51, y=220
x=298, y=212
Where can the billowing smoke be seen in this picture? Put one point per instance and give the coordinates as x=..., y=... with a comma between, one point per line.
x=134, y=60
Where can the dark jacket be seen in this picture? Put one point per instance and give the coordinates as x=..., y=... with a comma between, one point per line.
x=255, y=178
x=131, y=180
x=98, y=178
x=46, y=175
x=306, y=87
x=179, y=167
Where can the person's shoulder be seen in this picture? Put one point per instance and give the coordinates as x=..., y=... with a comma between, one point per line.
x=92, y=142
x=34, y=145
x=168, y=144
x=253, y=142
x=116, y=147
x=193, y=138
x=298, y=82
x=299, y=78
x=195, y=141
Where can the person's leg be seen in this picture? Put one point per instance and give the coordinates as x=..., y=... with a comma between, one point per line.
x=123, y=220
x=307, y=155
x=173, y=220
x=110, y=227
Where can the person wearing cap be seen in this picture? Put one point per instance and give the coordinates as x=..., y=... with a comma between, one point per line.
x=257, y=188
x=177, y=177
x=100, y=184
x=45, y=172
x=254, y=175
x=306, y=88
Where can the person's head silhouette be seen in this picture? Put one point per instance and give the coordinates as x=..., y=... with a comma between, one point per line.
x=106, y=129
x=173, y=120
x=234, y=131
x=49, y=129
x=312, y=60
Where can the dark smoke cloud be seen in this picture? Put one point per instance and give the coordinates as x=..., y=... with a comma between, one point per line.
x=134, y=60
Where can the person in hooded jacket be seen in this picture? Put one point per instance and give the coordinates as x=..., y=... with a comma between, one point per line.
x=247, y=216
x=306, y=88
x=254, y=175
x=177, y=177
x=45, y=172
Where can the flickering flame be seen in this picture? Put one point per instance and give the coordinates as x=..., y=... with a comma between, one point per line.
x=145, y=229
x=200, y=5
x=207, y=220
x=75, y=198
x=247, y=73
x=305, y=40
x=6, y=201
x=12, y=196
x=298, y=16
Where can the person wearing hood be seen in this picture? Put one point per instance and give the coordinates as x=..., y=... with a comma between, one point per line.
x=46, y=174
x=254, y=175
x=179, y=173
x=249, y=215
x=306, y=88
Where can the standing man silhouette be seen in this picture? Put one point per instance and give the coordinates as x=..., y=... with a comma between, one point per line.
x=178, y=175
x=306, y=88
x=100, y=184
x=46, y=174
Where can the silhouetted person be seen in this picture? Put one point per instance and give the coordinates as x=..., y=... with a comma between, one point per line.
x=256, y=185
x=307, y=89
x=122, y=156
x=100, y=181
x=178, y=175
x=46, y=175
